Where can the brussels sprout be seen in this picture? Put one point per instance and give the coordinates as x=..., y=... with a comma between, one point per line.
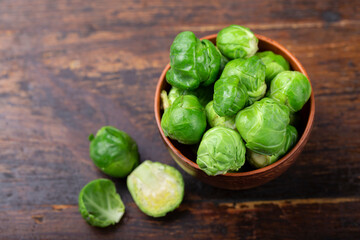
x=263, y=126
x=175, y=92
x=237, y=42
x=259, y=160
x=251, y=73
x=193, y=62
x=99, y=204
x=230, y=96
x=223, y=61
x=156, y=188
x=213, y=62
x=165, y=100
x=274, y=63
x=215, y=120
x=204, y=94
x=114, y=151
x=184, y=120
x=291, y=88
x=221, y=150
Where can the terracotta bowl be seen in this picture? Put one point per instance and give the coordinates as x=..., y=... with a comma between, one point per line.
x=185, y=156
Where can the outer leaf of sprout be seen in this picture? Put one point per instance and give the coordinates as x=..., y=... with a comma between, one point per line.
x=99, y=204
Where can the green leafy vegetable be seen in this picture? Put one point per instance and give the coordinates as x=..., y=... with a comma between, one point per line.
x=223, y=61
x=251, y=73
x=221, y=150
x=274, y=63
x=263, y=126
x=114, y=151
x=99, y=204
x=259, y=160
x=213, y=62
x=291, y=88
x=215, y=120
x=237, y=42
x=204, y=94
x=184, y=120
x=230, y=96
x=193, y=62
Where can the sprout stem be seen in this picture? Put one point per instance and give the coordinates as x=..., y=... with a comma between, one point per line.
x=164, y=100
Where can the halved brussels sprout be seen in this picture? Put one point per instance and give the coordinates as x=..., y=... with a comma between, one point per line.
x=215, y=120
x=193, y=62
x=184, y=120
x=259, y=160
x=230, y=96
x=274, y=63
x=237, y=42
x=156, y=188
x=221, y=150
x=99, y=204
x=114, y=151
x=204, y=94
x=263, y=126
x=291, y=88
x=251, y=73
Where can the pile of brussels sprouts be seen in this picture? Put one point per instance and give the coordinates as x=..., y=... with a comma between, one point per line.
x=155, y=187
x=236, y=103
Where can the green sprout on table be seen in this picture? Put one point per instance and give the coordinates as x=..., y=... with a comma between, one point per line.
x=114, y=152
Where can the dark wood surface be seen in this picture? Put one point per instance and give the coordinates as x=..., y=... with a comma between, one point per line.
x=68, y=67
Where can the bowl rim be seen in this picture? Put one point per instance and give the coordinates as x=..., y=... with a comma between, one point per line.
x=295, y=149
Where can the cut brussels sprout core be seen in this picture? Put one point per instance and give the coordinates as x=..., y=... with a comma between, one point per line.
x=221, y=150
x=99, y=204
x=114, y=151
x=156, y=188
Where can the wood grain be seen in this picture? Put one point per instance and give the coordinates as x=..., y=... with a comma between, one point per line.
x=68, y=67
x=231, y=220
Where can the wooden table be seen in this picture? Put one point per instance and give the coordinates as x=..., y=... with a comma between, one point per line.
x=69, y=67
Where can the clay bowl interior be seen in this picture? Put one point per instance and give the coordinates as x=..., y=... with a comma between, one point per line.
x=248, y=177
